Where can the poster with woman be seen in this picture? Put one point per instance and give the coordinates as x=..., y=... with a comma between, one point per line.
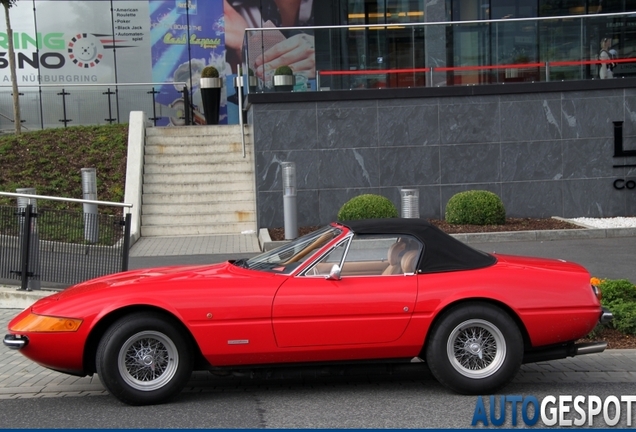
x=270, y=48
x=186, y=36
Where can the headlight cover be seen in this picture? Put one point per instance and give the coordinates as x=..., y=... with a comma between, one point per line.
x=33, y=323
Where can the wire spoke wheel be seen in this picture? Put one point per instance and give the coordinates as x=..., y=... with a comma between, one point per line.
x=148, y=360
x=476, y=348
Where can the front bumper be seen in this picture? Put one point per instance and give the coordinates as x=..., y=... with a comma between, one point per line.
x=15, y=342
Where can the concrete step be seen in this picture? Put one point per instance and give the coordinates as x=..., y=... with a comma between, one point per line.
x=184, y=230
x=210, y=177
x=195, y=168
x=197, y=182
x=231, y=141
x=192, y=198
x=199, y=218
x=188, y=188
x=186, y=157
x=221, y=207
x=187, y=131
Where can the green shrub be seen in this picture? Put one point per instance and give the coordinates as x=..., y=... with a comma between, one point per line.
x=624, y=317
x=367, y=206
x=476, y=207
x=619, y=296
x=209, y=72
x=617, y=290
x=283, y=70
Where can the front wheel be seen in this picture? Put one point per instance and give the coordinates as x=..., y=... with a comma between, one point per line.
x=475, y=349
x=144, y=359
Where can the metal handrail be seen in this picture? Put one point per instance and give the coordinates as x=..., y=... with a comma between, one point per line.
x=239, y=93
x=74, y=200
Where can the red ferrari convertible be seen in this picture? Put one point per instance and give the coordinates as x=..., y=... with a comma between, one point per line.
x=390, y=290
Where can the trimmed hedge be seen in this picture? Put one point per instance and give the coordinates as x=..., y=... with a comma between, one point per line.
x=209, y=72
x=283, y=70
x=475, y=207
x=367, y=206
x=619, y=296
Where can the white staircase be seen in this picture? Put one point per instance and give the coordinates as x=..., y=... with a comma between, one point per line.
x=196, y=182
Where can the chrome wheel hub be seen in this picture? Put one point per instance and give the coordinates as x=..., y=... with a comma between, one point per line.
x=476, y=348
x=148, y=360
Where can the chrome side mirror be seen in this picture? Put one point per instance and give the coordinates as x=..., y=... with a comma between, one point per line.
x=334, y=273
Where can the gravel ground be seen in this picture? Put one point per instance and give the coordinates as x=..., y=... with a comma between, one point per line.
x=615, y=222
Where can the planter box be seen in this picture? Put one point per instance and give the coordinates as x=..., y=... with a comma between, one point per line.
x=211, y=99
x=284, y=82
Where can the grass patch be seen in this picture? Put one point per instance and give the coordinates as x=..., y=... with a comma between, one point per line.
x=50, y=161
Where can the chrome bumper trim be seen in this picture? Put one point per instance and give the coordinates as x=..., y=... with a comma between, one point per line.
x=15, y=342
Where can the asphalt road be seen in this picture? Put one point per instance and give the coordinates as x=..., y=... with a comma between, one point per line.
x=382, y=402
x=612, y=258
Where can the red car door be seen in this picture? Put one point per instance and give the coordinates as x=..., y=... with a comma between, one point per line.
x=314, y=311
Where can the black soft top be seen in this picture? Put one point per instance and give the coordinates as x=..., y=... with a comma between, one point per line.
x=442, y=252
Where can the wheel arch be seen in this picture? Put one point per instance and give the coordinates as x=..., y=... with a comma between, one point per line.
x=98, y=331
x=458, y=303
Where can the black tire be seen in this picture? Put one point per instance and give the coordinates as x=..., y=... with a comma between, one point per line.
x=475, y=348
x=144, y=359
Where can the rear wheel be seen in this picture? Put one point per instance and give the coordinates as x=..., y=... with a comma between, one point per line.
x=144, y=359
x=475, y=349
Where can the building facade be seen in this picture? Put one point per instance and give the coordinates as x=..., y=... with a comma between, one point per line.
x=442, y=96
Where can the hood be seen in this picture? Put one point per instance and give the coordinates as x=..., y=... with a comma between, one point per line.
x=164, y=287
x=154, y=276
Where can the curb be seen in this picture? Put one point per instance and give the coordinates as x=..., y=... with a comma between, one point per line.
x=546, y=235
x=15, y=298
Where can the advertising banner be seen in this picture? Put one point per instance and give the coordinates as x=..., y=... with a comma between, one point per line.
x=76, y=42
x=186, y=37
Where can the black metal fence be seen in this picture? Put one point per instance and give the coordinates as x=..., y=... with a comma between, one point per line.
x=60, y=247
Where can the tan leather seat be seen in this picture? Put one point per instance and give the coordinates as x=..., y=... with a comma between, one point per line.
x=394, y=256
x=409, y=261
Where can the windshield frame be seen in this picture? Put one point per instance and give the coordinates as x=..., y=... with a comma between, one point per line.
x=286, y=259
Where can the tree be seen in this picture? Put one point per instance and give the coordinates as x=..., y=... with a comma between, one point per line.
x=14, y=79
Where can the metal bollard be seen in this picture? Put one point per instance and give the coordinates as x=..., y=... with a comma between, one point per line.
x=410, y=203
x=33, y=246
x=89, y=189
x=289, y=200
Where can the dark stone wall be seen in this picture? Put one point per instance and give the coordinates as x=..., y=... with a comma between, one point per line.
x=545, y=153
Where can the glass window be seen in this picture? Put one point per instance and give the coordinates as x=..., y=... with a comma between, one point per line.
x=371, y=255
x=285, y=259
x=565, y=7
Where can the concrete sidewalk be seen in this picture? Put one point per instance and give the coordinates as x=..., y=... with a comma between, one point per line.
x=196, y=245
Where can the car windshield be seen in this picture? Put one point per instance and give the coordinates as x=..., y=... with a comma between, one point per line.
x=286, y=258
